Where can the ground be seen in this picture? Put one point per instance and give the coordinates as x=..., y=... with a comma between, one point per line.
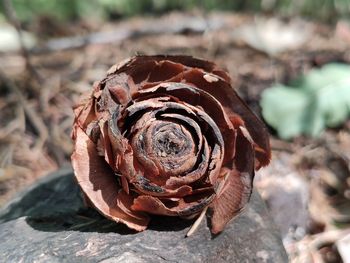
x=307, y=185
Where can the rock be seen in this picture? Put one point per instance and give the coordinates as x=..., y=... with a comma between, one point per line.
x=49, y=223
x=287, y=197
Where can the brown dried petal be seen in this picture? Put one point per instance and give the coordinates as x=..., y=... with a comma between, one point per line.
x=234, y=105
x=199, y=98
x=183, y=207
x=195, y=73
x=167, y=135
x=99, y=184
x=236, y=186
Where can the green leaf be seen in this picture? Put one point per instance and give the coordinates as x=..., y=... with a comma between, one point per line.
x=317, y=100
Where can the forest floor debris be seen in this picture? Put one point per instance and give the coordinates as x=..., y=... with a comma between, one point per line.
x=36, y=117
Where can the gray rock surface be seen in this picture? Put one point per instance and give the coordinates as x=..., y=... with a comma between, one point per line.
x=49, y=223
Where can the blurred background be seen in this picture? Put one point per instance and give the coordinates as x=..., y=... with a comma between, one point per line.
x=288, y=59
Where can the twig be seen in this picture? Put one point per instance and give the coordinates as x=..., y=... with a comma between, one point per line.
x=197, y=25
x=31, y=114
x=327, y=237
x=11, y=16
x=279, y=145
x=196, y=223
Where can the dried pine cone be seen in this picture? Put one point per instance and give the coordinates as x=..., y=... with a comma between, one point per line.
x=167, y=135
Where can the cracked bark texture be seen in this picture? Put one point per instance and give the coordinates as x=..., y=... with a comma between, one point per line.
x=39, y=226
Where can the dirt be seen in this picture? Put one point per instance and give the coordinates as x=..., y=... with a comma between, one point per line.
x=33, y=145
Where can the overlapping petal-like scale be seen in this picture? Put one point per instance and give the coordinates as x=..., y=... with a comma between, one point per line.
x=236, y=186
x=204, y=75
x=100, y=186
x=184, y=207
x=167, y=135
